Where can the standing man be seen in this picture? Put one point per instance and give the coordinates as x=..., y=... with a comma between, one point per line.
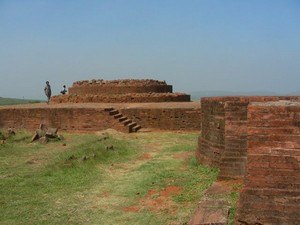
x=47, y=90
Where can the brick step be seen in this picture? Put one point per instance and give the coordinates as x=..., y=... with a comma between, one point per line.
x=136, y=128
x=123, y=118
x=108, y=109
x=113, y=112
x=132, y=124
x=119, y=115
x=126, y=122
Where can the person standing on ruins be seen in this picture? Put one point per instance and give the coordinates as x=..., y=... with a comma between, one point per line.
x=47, y=90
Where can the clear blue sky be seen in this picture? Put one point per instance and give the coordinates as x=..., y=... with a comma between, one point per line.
x=196, y=45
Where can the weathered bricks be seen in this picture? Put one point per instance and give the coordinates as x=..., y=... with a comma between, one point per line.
x=223, y=140
x=259, y=142
x=166, y=118
x=128, y=97
x=128, y=90
x=272, y=183
x=91, y=118
x=81, y=119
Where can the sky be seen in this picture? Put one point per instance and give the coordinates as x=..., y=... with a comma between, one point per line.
x=195, y=45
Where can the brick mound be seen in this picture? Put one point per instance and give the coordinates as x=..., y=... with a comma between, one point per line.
x=134, y=97
x=124, y=82
x=127, y=90
x=109, y=87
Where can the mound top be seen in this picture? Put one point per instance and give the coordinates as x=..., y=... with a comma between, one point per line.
x=120, y=82
x=124, y=90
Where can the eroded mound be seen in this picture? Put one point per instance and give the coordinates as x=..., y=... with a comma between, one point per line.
x=127, y=90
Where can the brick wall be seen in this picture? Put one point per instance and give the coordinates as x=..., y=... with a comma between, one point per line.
x=223, y=142
x=119, y=98
x=79, y=119
x=112, y=89
x=166, y=118
x=272, y=184
x=93, y=119
x=211, y=140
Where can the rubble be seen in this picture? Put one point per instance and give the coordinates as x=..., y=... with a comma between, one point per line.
x=2, y=137
x=11, y=132
x=109, y=147
x=5, y=135
x=44, y=134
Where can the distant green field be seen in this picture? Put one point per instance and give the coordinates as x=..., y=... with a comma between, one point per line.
x=14, y=101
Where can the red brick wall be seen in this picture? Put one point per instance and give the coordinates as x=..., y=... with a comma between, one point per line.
x=166, y=119
x=211, y=140
x=112, y=89
x=132, y=97
x=272, y=185
x=79, y=119
x=93, y=119
x=224, y=133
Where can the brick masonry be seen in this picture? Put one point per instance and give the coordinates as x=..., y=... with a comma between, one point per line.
x=272, y=183
x=113, y=89
x=223, y=142
x=69, y=119
x=92, y=117
x=127, y=90
x=166, y=118
x=128, y=97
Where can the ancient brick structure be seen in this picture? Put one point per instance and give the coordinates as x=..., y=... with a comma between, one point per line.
x=93, y=117
x=121, y=91
x=166, y=118
x=107, y=87
x=256, y=139
x=70, y=119
x=223, y=142
x=272, y=183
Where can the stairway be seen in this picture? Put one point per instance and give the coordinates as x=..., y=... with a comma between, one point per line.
x=131, y=125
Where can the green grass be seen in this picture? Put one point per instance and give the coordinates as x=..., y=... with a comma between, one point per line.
x=51, y=184
x=15, y=101
x=233, y=198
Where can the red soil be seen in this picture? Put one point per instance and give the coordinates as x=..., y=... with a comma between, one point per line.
x=156, y=201
x=133, y=208
x=145, y=156
x=171, y=190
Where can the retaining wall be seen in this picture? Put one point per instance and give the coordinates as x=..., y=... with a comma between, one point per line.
x=93, y=119
x=272, y=185
x=112, y=89
x=223, y=142
x=120, y=91
x=166, y=118
x=70, y=119
x=122, y=98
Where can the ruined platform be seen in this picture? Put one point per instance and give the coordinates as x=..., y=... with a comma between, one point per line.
x=96, y=116
x=127, y=90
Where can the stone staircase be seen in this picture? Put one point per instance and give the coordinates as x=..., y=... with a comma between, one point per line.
x=128, y=123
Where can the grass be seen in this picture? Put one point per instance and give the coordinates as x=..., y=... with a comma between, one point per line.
x=52, y=184
x=15, y=101
x=233, y=198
